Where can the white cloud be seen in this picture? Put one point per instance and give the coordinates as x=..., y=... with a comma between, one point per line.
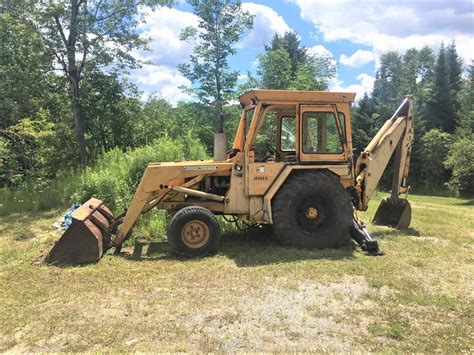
x=366, y=84
x=266, y=23
x=387, y=25
x=163, y=26
x=358, y=59
x=161, y=81
x=243, y=77
x=320, y=50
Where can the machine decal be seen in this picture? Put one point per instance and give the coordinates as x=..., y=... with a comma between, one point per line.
x=200, y=168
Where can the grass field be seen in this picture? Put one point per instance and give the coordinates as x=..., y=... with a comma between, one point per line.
x=254, y=296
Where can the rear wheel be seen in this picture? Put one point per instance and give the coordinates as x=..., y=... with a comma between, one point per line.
x=312, y=210
x=194, y=231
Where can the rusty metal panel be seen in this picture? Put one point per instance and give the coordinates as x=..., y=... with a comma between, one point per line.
x=84, y=241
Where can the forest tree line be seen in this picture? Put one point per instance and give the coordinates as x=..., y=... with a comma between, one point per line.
x=65, y=98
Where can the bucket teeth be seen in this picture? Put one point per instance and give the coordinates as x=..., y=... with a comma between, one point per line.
x=87, y=238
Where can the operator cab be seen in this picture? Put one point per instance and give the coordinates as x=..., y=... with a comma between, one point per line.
x=298, y=126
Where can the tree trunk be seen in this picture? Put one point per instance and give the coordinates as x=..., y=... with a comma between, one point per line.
x=220, y=118
x=78, y=120
x=74, y=77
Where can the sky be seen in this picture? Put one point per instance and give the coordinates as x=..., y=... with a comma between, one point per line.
x=354, y=33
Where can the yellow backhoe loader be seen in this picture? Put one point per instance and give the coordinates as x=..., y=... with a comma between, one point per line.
x=302, y=182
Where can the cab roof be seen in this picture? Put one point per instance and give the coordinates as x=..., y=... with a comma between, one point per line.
x=296, y=96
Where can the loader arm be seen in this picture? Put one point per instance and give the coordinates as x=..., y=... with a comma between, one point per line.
x=156, y=182
x=394, y=138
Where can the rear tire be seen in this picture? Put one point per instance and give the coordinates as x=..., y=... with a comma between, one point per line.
x=312, y=210
x=194, y=231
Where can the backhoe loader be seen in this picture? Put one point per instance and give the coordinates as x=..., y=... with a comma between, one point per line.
x=301, y=181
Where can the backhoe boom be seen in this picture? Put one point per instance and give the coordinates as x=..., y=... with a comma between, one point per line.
x=395, y=138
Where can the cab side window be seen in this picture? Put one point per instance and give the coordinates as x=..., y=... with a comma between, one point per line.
x=320, y=133
x=288, y=134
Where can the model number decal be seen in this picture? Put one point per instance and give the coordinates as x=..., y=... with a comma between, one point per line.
x=262, y=178
x=204, y=167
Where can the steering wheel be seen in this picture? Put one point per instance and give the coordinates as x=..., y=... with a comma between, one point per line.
x=272, y=150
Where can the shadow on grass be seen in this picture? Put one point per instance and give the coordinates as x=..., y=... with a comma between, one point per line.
x=250, y=249
x=254, y=248
x=465, y=203
x=391, y=232
x=31, y=216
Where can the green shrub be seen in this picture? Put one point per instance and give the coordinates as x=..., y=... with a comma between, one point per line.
x=461, y=160
x=38, y=195
x=115, y=176
x=434, y=149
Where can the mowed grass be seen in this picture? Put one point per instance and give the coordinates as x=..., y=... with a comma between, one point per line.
x=255, y=295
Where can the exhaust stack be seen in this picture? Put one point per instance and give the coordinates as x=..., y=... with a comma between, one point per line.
x=220, y=146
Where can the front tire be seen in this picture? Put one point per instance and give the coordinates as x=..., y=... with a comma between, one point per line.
x=312, y=210
x=194, y=231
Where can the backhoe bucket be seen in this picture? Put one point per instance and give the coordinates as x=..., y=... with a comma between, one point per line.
x=87, y=238
x=393, y=213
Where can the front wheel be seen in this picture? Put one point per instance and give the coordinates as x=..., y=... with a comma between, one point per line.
x=194, y=231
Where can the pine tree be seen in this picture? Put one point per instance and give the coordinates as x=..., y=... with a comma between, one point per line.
x=466, y=118
x=441, y=110
x=292, y=45
x=387, y=87
x=364, y=121
x=454, y=64
x=286, y=64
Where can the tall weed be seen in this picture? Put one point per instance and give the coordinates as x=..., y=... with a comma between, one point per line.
x=113, y=178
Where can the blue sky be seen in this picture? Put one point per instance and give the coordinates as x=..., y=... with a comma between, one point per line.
x=354, y=33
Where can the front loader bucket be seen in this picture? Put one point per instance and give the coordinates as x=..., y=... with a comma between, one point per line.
x=393, y=213
x=87, y=238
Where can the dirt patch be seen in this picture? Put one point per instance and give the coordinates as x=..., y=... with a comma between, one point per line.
x=275, y=318
x=434, y=240
x=24, y=236
x=282, y=315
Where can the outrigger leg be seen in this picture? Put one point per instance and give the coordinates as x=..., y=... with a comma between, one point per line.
x=361, y=235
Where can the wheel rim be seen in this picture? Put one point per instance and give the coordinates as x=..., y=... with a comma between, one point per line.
x=310, y=216
x=195, y=234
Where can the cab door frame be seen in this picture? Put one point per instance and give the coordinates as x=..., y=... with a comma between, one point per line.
x=321, y=156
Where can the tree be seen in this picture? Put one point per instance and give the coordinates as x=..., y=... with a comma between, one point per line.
x=313, y=74
x=435, y=146
x=101, y=33
x=29, y=147
x=461, y=160
x=454, y=64
x=387, y=86
x=466, y=118
x=364, y=121
x=288, y=65
x=250, y=83
x=291, y=43
x=24, y=70
x=112, y=107
x=274, y=69
x=221, y=24
x=442, y=113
